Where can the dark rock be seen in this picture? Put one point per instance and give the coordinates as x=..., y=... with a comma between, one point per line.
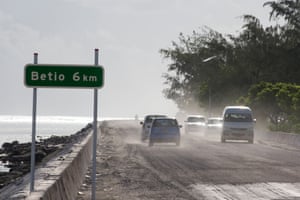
x=19, y=154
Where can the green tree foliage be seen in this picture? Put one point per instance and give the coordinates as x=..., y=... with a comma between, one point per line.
x=287, y=61
x=289, y=10
x=188, y=77
x=256, y=56
x=279, y=102
x=236, y=64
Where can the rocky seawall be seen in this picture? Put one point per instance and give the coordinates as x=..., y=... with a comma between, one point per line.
x=17, y=156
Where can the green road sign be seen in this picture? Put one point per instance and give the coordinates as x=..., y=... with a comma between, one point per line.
x=83, y=76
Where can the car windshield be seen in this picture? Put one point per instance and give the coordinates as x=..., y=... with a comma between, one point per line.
x=214, y=121
x=149, y=119
x=165, y=123
x=196, y=119
x=238, y=117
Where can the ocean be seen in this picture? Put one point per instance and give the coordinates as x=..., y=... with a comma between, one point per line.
x=19, y=128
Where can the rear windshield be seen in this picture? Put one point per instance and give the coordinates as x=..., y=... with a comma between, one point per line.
x=196, y=119
x=165, y=122
x=238, y=117
x=214, y=121
x=150, y=118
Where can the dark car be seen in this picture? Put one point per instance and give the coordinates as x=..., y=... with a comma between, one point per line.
x=164, y=130
x=146, y=123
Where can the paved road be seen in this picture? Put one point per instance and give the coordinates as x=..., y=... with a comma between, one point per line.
x=235, y=170
x=201, y=168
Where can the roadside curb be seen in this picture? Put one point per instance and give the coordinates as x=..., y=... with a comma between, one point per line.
x=288, y=139
x=58, y=178
x=63, y=176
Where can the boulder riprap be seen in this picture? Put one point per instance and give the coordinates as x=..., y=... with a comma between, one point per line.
x=17, y=156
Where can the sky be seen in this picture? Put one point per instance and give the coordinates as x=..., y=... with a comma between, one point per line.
x=128, y=34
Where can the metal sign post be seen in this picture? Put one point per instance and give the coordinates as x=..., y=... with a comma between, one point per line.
x=67, y=76
x=95, y=132
x=32, y=158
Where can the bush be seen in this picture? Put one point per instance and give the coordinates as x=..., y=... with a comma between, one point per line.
x=286, y=127
x=296, y=128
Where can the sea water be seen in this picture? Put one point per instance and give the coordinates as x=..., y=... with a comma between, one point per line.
x=19, y=128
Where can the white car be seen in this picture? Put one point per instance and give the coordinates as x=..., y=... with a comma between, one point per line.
x=214, y=125
x=238, y=124
x=195, y=123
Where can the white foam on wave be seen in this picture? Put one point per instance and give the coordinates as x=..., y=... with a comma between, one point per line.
x=55, y=119
x=19, y=127
x=44, y=119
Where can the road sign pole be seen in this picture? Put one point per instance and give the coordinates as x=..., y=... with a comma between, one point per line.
x=32, y=165
x=95, y=132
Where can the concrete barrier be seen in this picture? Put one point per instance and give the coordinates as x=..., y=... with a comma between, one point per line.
x=62, y=177
x=290, y=139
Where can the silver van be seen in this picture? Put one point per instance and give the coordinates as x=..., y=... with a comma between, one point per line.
x=238, y=124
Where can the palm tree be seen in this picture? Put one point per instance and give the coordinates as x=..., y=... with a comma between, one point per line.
x=288, y=9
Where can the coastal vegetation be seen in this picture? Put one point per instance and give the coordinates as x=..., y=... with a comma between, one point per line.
x=258, y=67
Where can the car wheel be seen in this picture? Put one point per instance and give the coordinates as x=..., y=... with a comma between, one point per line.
x=143, y=138
x=150, y=143
x=223, y=140
x=178, y=142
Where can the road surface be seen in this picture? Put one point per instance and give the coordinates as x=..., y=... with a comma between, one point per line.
x=201, y=168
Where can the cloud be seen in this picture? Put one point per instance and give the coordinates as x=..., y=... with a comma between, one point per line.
x=129, y=34
x=14, y=37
